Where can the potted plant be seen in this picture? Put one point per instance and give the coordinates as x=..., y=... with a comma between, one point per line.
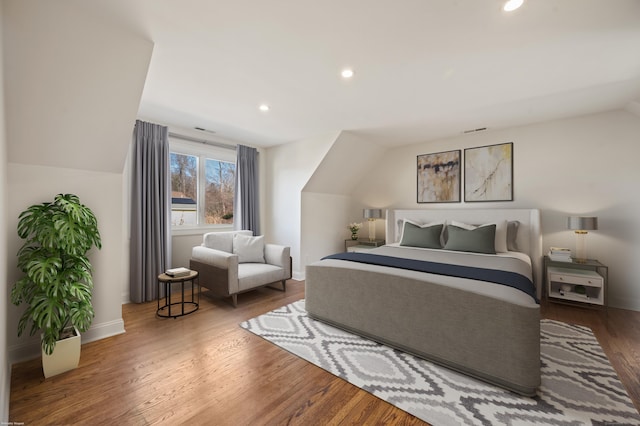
x=57, y=282
x=354, y=228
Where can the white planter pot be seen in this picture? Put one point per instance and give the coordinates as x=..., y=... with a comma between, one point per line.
x=65, y=356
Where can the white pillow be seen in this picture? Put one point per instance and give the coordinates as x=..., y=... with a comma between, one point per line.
x=249, y=249
x=501, y=233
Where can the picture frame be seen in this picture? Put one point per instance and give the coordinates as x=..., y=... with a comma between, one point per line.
x=488, y=173
x=439, y=177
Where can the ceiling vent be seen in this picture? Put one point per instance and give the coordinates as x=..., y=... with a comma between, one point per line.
x=204, y=130
x=479, y=129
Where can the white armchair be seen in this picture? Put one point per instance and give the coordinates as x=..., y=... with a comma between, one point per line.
x=233, y=262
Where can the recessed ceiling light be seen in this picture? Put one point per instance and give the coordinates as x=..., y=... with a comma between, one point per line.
x=264, y=107
x=347, y=73
x=512, y=5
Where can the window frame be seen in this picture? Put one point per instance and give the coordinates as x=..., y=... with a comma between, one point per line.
x=203, y=152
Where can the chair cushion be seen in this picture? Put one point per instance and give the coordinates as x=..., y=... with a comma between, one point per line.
x=251, y=275
x=249, y=249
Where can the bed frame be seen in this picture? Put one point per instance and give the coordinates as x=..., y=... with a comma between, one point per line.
x=476, y=334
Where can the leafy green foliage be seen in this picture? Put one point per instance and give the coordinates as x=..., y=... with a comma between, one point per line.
x=57, y=284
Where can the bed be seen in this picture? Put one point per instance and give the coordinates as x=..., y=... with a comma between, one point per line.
x=475, y=326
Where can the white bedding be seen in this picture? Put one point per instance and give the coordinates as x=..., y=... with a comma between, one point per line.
x=516, y=254
x=497, y=261
x=528, y=239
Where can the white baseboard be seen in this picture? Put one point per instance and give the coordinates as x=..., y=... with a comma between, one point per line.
x=104, y=330
x=5, y=383
x=298, y=276
x=30, y=349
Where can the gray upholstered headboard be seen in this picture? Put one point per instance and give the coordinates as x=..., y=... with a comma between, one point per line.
x=529, y=238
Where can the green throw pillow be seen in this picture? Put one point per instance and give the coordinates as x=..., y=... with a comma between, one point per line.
x=425, y=237
x=479, y=240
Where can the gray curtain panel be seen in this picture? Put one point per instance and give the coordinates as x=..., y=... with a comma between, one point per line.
x=150, y=247
x=246, y=212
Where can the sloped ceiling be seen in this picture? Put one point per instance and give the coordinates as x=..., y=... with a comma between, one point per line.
x=342, y=168
x=424, y=69
x=73, y=84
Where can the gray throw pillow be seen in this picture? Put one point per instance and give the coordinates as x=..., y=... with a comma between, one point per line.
x=425, y=237
x=512, y=234
x=479, y=240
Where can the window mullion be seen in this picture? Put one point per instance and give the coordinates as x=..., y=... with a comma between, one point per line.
x=201, y=189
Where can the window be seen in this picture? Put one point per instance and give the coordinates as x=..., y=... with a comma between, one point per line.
x=202, y=185
x=220, y=177
x=184, y=189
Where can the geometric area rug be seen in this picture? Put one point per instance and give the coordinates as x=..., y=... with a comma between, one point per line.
x=579, y=385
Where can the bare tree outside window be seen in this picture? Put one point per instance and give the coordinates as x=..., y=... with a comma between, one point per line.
x=220, y=181
x=184, y=189
x=184, y=176
x=216, y=183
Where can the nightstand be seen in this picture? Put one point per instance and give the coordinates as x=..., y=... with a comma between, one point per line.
x=576, y=283
x=361, y=245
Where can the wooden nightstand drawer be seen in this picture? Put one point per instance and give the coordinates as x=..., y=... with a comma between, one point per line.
x=594, y=280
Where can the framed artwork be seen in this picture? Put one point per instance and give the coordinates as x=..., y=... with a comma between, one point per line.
x=439, y=177
x=488, y=173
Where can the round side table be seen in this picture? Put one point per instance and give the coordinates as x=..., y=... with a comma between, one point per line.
x=185, y=306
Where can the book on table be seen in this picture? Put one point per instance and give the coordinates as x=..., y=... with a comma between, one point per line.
x=558, y=254
x=178, y=272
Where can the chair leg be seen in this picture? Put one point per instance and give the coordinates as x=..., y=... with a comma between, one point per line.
x=273, y=285
x=234, y=299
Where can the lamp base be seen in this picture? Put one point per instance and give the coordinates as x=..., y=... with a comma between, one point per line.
x=372, y=229
x=581, y=247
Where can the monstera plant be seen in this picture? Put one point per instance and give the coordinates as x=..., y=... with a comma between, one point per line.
x=57, y=283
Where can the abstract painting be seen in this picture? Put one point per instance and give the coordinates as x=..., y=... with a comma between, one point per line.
x=439, y=177
x=488, y=173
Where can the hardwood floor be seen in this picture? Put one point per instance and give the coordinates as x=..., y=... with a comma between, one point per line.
x=204, y=369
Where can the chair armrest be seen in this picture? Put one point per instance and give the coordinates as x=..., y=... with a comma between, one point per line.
x=278, y=255
x=218, y=258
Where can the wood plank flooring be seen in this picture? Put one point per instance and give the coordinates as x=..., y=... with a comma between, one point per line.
x=204, y=369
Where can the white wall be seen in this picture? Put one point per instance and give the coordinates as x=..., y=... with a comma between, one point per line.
x=581, y=166
x=5, y=366
x=323, y=225
x=73, y=83
x=288, y=169
x=326, y=207
x=102, y=193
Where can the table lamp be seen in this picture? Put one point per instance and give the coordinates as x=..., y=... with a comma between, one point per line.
x=581, y=225
x=371, y=215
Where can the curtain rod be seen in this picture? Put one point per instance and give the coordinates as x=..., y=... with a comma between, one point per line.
x=204, y=141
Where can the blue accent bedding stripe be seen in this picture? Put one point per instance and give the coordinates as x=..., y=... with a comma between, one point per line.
x=510, y=279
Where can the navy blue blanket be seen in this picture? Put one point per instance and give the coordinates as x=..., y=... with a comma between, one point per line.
x=507, y=278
